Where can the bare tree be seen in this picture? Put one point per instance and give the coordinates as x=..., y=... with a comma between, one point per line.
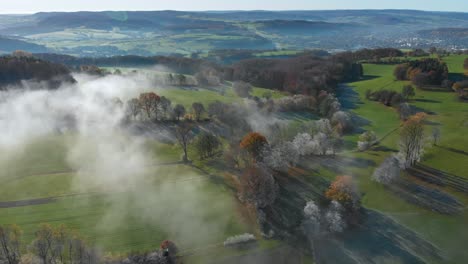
x=242, y=89
x=181, y=79
x=366, y=140
x=184, y=137
x=10, y=241
x=179, y=111
x=281, y=156
x=405, y=111
x=198, y=110
x=165, y=106
x=388, y=171
x=216, y=108
x=407, y=92
x=342, y=122
x=435, y=135
x=133, y=107
x=150, y=103
x=258, y=186
x=206, y=145
x=42, y=245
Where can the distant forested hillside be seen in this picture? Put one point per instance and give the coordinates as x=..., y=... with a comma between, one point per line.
x=8, y=45
x=15, y=69
x=149, y=33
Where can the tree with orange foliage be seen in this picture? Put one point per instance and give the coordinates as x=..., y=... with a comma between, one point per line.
x=168, y=248
x=254, y=142
x=412, y=140
x=149, y=102
x=344, y=191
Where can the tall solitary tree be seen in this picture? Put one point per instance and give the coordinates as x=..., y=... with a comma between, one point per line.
x=258, y=186
x=435, y=135
x=412, y=140
x=206, y=145
x=407, y=92
x=183, y=135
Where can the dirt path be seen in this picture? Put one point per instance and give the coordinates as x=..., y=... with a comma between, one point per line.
x=45, y=200
x=39, y=201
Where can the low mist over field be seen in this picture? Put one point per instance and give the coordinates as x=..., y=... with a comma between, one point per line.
x=234, y=136
x=104, y=155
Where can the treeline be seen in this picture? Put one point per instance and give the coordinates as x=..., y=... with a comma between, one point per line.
x=66, y=246
x=373, y=54
x=300, y=75
x=461, y=87
x=422, y=72
x=176, y=64
x=305, y=74
x=14, y=69
x=50, y=245
x=230, y=56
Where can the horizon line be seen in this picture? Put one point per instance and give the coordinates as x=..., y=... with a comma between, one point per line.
x=232, y=10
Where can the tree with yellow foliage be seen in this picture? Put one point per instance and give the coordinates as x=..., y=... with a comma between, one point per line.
x=412, y=140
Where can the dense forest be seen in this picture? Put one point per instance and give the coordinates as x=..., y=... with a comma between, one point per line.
x=300, y=75
x=422, y=72
x=175, y=63
x=306, y=73
x=14, y=69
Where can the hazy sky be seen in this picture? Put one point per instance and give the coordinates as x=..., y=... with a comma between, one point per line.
x=32, y=6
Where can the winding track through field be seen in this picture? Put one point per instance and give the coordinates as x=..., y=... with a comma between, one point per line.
x=51, y=199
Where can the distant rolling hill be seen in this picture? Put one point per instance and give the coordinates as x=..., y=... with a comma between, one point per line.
x=185, y=33
x=8, y=45
x=303, y=27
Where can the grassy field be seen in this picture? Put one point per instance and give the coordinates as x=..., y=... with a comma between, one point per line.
x=206, y=95
x=54, y=193
x=447, y=232
x=165, y=196
x=135, y=219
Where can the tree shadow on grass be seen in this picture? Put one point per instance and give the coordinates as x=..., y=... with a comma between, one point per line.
x=348, y=97
x=214, y=178
x=368, y=77
x=427, y=101
x=415, y=109
x=341, y=165
x=286, y=215
x=456, y=76
x=302, y=116
x=377, y=239
x=384, y=149
x=454, y=150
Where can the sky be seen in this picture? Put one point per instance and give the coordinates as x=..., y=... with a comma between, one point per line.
x=33, y=6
